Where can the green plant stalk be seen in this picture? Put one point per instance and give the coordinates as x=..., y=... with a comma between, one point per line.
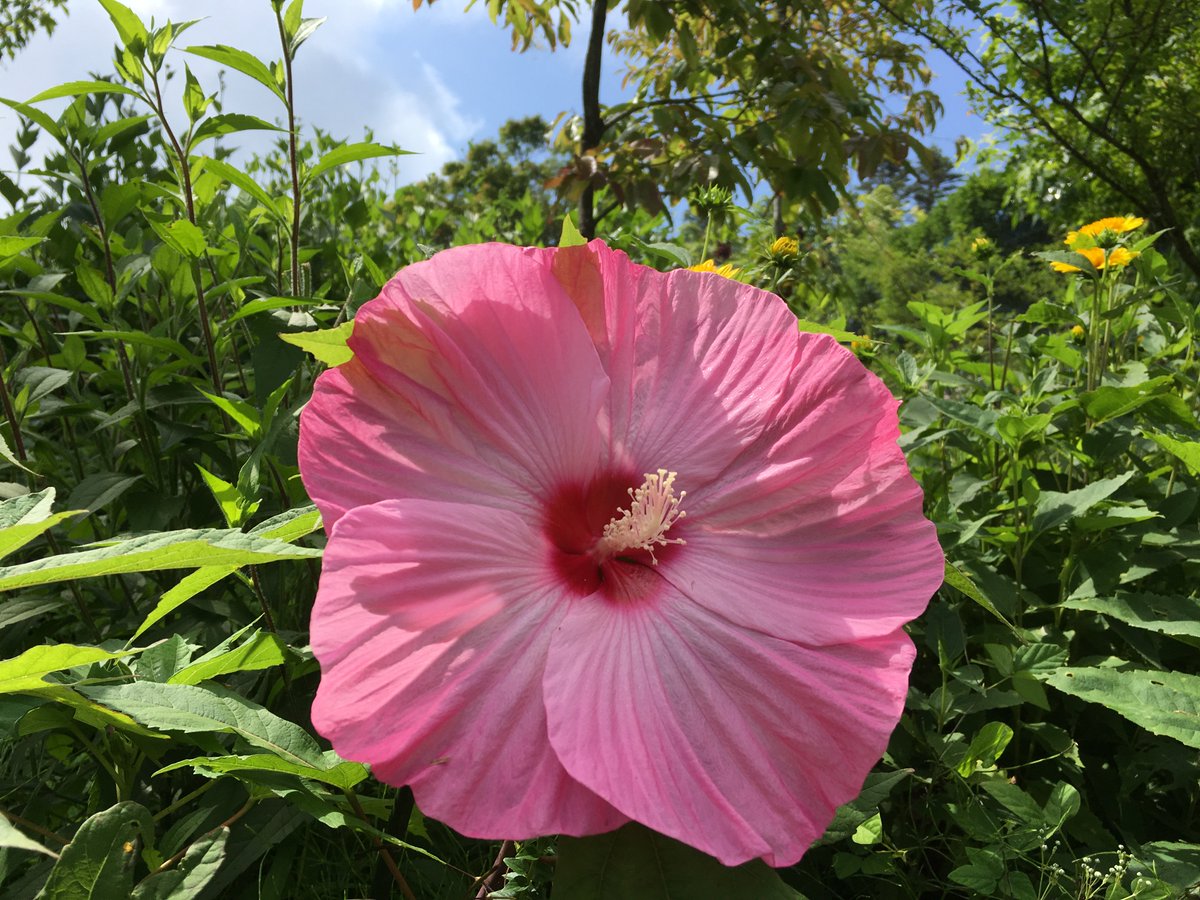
x=185, y=176
x=294, y=236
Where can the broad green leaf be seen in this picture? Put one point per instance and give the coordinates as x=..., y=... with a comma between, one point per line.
x=570, y=234
x=850, y=815
x=327, y=345
x=634, y=862
x=186, y=549
x=1166, y=703
x=261, y=651
x=265, y=304
x=193, y=709
x=1109, y=402
x=983, y=873
x=85, y=310
x=348, y=153
x=342, y=775
x=24, y=518
x=1175, y=616
x=869, y=832
x=157, y=342
x=26, y=672
x=45, y=122
x=11, y=836
x=1187, y=451
x=239, y=410
x=241, y=61
x=11, y=245
x=188, y=587
x=160, y=662
x=75, y=88
x=98, y=864
x=15, y=537
x=1054, y=508
x=191, y=876
x=183, y=237
x=97, y=491
x=13, y=612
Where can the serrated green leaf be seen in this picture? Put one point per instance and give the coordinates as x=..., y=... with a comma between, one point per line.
x=1186, y=451
x=244, y=183
x=1175, y=616
x=128, y=25
x=193, y=709
x=1166, y=703
x=75, y=88
x=1054, y=508
x=98, y=863
x=240, y=61
x=635, y=863
x=185, y=590
x=185, y=549
x=958, y=580
x=343, y=775
x=348, y=153
x=228, y=123
x=1109, y=402
x=11, y=245
x=27, y=672
x=328, y=345
x=261, y=651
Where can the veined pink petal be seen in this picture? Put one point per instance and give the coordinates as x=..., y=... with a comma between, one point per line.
x=478, y=349
x=735, y=742
x=432, y=626
x=696, y=361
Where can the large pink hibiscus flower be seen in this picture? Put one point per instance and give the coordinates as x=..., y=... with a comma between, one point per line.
x=608, y=544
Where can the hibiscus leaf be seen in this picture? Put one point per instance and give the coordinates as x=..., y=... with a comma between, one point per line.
x=1166, y=703
x=634, y=862
x=192, y=709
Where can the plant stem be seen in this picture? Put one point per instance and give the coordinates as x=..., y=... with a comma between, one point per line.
x=292, y=159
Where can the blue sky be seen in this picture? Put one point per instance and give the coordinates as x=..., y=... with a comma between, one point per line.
x=429, y=80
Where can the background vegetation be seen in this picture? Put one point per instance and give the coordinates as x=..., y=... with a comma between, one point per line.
x=165, y=310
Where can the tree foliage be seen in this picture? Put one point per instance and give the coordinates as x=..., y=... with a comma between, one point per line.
x=20, y=20
x=1112, y=84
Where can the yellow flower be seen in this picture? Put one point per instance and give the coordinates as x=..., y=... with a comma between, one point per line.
x=981, y=244
x=1077, y=332
x=725, y=271
x=1103, y=231
x=859, y=346
x=1117, y=257
x=785, y=247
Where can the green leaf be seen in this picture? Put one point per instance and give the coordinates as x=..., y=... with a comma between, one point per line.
x=13, y=612
x=1187, y=451
x=34, y=114
x=958, y=580
x=239, y=410
x=983, y=873
x=193, y=709
x=240, y=61
x=189, y=587
x=261, y=651
x=6, y=453
x=244, y=183
x=130, y=28
x=841, y=335
x=348, y=153
x=187, y=880
x=869, y=832
x=11, y=246
x=26, y=672
x=1174, y=616
x=328, y=345
x=570, y=234
x=10, y=836
x=185, y=549
x=228, y=123
x=24, y=518
x=1166, y=703
x=342, y=775
x=634, y=862
x=291, y=525
x=1054, y=508
x=183, y=237
x=985, y=748
x=98, y=863
x=75, y=88
x=1109, y=402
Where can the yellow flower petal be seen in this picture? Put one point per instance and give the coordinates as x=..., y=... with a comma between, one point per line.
x=725, y=271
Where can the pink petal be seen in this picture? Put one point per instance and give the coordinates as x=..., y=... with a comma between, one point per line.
x=432, y=626
x=697, y=361
x=737, y=743
x=478, y=350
